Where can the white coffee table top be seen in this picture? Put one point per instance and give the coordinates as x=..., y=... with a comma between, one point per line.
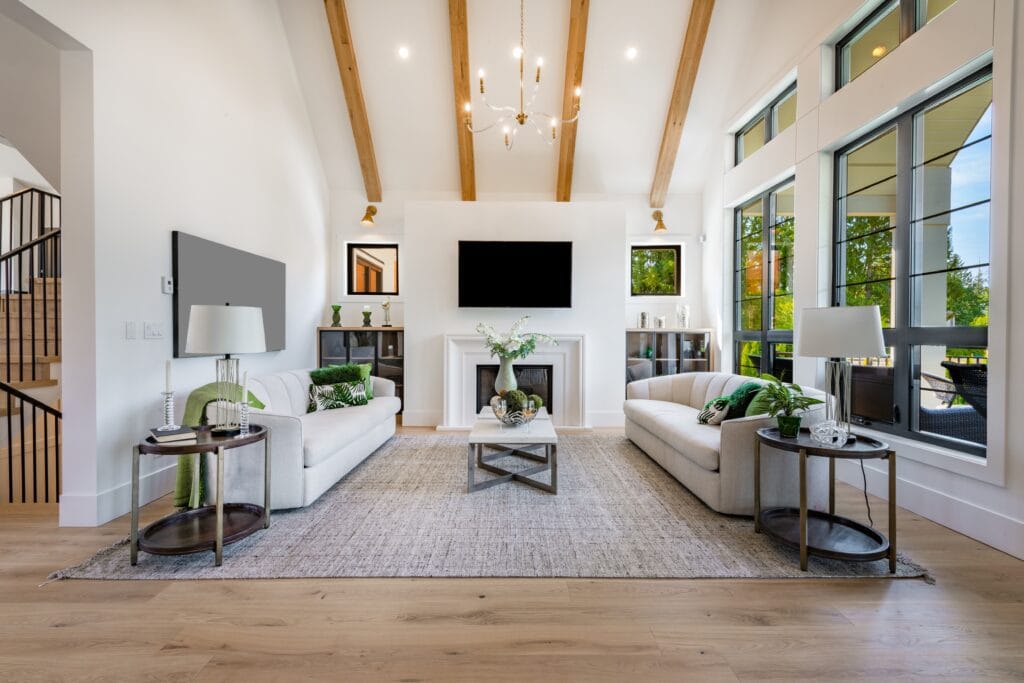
x=487, y=429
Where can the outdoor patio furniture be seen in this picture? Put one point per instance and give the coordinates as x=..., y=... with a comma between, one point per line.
x=971, y=381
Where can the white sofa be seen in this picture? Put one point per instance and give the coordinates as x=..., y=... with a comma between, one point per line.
x=716, y=463
x=309, y=452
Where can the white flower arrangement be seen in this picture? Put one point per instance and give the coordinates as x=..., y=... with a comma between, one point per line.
x=514, y=344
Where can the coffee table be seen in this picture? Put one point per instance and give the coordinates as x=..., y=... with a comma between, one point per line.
x=520, y=442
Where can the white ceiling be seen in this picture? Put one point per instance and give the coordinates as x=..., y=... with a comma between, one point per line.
x=411, y=104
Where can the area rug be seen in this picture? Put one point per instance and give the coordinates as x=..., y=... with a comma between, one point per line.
x=405, y=512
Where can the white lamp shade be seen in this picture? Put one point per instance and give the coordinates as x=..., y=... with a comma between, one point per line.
x=841, y=332
x=225, y=329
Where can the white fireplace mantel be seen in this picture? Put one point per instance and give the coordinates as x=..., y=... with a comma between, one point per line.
x=464, y=352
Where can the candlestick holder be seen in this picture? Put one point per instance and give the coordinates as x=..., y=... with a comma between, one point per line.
x=169, y=424
x=243, y=416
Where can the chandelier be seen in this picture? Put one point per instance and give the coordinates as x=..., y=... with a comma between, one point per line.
x=513, y=118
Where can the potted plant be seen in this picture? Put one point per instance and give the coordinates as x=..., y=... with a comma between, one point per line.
x=784, y=400
x=509, y=347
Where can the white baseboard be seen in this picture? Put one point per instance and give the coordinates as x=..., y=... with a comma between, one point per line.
x=988, y=526
x=78, y=510
x=605, y=418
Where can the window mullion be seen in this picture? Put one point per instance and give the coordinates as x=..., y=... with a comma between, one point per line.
x=766, y=280
x=902, y=260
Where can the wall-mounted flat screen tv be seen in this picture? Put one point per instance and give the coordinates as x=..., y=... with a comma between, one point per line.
x=206, y=272
x=515, y=274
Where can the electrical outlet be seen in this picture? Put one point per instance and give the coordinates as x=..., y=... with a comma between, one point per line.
x=167, y=284
x=153, y=330
x=129, y=330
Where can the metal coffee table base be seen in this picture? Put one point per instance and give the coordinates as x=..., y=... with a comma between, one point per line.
x=548, y=461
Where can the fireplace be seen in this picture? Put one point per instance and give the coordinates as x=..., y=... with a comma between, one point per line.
x=532, y=379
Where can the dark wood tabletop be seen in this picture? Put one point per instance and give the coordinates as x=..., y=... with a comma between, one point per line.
x=206, y=442
x=859, y=448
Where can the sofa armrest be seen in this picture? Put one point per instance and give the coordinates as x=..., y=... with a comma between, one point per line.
x=638, y=389
x=383, y=387
x=286, y=460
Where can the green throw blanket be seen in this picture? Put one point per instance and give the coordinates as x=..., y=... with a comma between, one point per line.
x=189, y=486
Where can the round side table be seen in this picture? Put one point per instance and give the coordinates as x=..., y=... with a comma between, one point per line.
x=210, y=527
x=825, y=534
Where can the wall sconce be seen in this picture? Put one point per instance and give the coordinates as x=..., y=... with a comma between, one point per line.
x=659, y=225
x=367, y=220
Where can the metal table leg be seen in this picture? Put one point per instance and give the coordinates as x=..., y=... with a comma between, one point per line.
x=892, y=512
x=218, y=549
x=266, y=481
x=831, y=486
x=135, y=506
x=803, y=509
x=757, y=485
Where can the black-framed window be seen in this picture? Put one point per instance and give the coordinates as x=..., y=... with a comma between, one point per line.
x=763, y=284
x=655, y=270
x=779, y=115
x=912, y=235
x=892, y=22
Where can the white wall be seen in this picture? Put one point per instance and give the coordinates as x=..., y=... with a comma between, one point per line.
x=30, y=105
x=984, y=499
x=198, y=124
x=433, y=229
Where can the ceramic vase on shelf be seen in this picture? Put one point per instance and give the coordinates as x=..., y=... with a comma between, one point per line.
x=336, y=315
x=506, y=379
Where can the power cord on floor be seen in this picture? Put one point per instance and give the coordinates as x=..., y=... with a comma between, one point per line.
x=864, y=476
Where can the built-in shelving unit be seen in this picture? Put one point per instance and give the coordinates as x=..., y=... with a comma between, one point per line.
x=382, y=347
x=662, y=351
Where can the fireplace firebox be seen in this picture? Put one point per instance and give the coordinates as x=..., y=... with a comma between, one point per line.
x=532, y=379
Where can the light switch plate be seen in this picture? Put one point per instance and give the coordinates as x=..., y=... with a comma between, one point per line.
x=153, y=330
x=167, y=284
x=130, y=331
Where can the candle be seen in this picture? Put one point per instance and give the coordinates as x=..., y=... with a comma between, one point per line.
x=167, y=377
x=245, y=387
x=366, y=308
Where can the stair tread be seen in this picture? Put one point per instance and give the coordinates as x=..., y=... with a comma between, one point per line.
x=33, y=383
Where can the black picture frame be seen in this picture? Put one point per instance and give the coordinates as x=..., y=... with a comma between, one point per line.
x=355, y=252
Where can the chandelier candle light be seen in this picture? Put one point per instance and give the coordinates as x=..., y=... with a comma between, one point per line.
x=523, y=114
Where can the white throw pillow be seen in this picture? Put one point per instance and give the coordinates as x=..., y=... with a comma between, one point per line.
x=714, y=412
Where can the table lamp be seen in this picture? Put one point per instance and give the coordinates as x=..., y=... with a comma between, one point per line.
x=839, y=333
x=226, y=330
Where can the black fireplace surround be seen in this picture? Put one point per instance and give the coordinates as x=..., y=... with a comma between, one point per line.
x=532, y=379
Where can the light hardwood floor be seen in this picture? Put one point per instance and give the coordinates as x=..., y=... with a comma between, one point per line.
x=966, y=626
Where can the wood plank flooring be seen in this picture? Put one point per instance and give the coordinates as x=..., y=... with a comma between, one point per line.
x=966, y=626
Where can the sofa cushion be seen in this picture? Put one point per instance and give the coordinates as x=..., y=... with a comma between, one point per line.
x=326, y=432
x=676, y=425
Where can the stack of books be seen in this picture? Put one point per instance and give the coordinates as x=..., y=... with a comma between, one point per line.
x=182, y=436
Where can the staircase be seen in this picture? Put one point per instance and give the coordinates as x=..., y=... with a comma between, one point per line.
x=30, y=347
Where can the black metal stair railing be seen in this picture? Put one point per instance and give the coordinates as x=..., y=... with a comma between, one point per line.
x=30, y=343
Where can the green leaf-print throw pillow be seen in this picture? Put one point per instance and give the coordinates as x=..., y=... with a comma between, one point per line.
x=332, y=396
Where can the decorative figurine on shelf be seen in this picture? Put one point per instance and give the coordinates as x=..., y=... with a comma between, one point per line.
x=366, y=316
x=336, y=316
x=386, y=305
x=682, y=316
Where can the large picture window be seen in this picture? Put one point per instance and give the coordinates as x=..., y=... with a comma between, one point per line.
x=912, y=236
x=764, y=284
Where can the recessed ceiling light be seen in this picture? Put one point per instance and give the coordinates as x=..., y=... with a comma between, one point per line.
x=403, y=52
x=631, y=53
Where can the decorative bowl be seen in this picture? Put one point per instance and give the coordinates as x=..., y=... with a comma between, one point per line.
x=512, y=418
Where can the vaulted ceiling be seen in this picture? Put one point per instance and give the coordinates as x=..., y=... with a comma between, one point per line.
x=410, y=103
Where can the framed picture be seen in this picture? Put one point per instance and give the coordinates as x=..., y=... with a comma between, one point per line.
x=373, y=269
x=655, y=270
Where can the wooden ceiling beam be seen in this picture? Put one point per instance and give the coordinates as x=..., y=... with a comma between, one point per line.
x=686, y=76
x=461, y=81
x=579, y=10
x=344, y=50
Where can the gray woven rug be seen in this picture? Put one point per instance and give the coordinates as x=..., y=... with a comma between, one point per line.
x=405, y=512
